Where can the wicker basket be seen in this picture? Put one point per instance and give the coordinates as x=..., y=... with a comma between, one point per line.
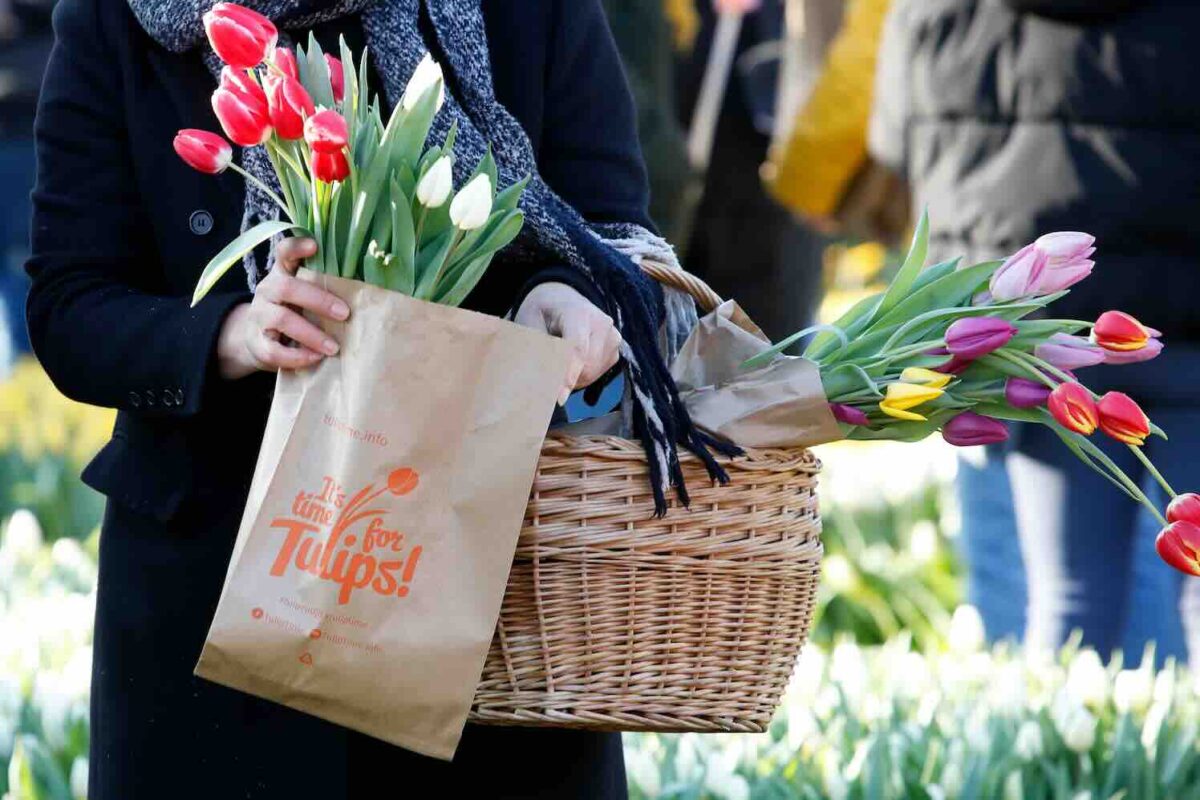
x=615, y=620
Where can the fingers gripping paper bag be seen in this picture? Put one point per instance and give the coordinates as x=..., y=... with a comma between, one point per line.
x=373, y=554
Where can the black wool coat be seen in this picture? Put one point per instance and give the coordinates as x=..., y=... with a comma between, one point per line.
x=121, y=231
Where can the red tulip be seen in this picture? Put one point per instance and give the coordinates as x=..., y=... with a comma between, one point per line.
x=1177, y=544
x=1073, y=407
x=290, y=105
x=1118, y=331
x=204, y=151
x=1123, y=419
x=326, y=132
x=285, y=61
x=1185, y=508
x=241, y=106
x=241, y=37
x=337, y=77
x=330, y=167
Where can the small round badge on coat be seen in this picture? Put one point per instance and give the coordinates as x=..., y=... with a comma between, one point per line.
x=201, y=223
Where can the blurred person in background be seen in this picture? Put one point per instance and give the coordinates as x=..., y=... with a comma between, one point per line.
x=1011, y=118
x=25, y=41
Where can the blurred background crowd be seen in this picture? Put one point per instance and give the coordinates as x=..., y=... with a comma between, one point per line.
x=790, y=143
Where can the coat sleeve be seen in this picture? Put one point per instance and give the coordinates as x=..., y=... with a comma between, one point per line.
x=887, y=132
x=95, y=320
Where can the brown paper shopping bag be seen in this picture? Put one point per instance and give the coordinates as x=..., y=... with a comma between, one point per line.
x=373, y=554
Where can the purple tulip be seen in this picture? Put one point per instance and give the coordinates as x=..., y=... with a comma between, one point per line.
x=1019, y=276
x=1024, y=393
x=972, y=337
x=1069, y=352
x=1064, y=246
x=969, y=429
x=1151, y=350
x=849, y=414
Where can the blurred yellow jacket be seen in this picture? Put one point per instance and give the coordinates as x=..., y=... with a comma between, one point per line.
x=827, y=146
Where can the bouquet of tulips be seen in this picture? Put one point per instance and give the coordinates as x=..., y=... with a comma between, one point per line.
x=951, y=348
x=379, y=203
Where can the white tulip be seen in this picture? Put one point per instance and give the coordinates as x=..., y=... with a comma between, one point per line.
x=472, y=206
x=1133, y=690
x=1077, y=727
x=643, y=772
x=428, y=74
x=1014, y=789
x=22, y=535
x=966, y=630
x=79, y=778
x=1028, y=744
x=1087, y=679
x=435, y=187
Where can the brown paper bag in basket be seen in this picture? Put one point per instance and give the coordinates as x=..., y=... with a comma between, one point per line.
x=376, y=543
x=780, y=405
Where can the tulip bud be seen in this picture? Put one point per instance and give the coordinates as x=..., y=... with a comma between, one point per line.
x=1119, y=332
x=241, y=106
x=849, y=415
x=925, y=377
x=290, y=106
x=1020, y=275
x=241, y=37
x=1177, y=544
x=954, y=366
x=1069, y=352
x=902, y=396
x=330, y=167
x=1068, y=262
x=435, y=186
x=1073, y=407
x=284, y=60
x=1185, y=508
x=428, y=74
x=969, y=429
x=204, y=151
x=337, y=77
x=1151, y=350
x=472, y=206
x=1123, y=419
x=326, y=131
x=974, y=337
x=1024, y=393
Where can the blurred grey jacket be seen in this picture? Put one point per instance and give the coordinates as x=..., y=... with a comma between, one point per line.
x=1011, y=118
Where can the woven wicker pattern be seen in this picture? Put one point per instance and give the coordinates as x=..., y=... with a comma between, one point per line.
x=615, y=620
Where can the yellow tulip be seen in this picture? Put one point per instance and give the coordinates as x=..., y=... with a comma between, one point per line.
x=925, y=377
x=902, y=396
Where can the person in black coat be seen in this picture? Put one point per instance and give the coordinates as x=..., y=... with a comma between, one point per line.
x=1015, y=118
x=122, y=229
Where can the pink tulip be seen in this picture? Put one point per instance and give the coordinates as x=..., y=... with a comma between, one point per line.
x=242, y=108
x=285, y=61
x=969, y=429
x=973, y=337
x=241, y=37
x=1019, y=276
x=326, y=132
x=203, y=151
x=1070, y=259
x=337, y=77
x=289, y=105
x=849, y=414
x=1069, y=352
x=1024, y=393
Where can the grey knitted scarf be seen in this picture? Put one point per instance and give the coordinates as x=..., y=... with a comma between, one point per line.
x=554, y=232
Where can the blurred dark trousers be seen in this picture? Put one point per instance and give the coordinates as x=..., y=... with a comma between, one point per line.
x=1088, y=549
x=17, y=170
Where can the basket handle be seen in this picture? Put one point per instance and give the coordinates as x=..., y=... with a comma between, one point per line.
x=685, y=282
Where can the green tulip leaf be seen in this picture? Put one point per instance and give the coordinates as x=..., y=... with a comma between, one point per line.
x=852, y=322
x=466, y=282
x=235, y=251
x=314, y=73
x=431, y=260
x=402, y=273
x=902, y=285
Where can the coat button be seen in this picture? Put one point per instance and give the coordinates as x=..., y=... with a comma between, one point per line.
x=135, y=400
x=201, y=223
x=150, y=398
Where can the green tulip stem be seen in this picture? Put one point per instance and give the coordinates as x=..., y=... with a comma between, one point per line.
x=272, y=154
x=1041, y=366
x=420, y=223
x=283, y=154
x=1141, y=456
x=270, y=192
x=437, y=277
x=1014, y=358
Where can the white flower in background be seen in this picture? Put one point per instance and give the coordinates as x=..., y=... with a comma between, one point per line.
x=643, y=771
x=979, y=734
x=427, y=74
x=923, y=541
x=1154, y=722
x=472, y=206
x=1028, y=744
x=1014, y=788
x=952, y=772
x=1084, y=795
x=838, y=573
x=935, y=792
x=1087, y=679
x=836, y=786
x=966, y=630
x=848, y=669
x=1133, y=690
x=1164, y=684
x=1009, y=689
x=721, y=777
x=22, y=536
x=79, y=778
x=69, y=555
x=1076, y=725
x=801, y=726
x=436, y=185
x=56, y=706
x=8, y=733
x=687, y=761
